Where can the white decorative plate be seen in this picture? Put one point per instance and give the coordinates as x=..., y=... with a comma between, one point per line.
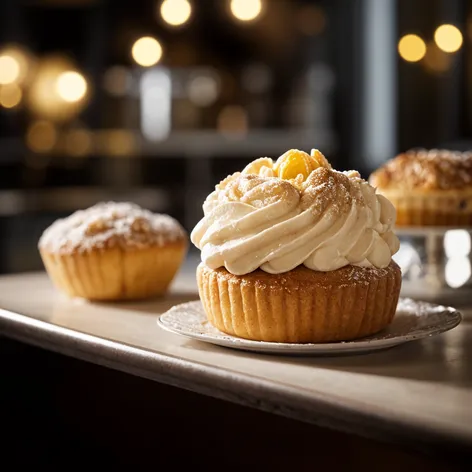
x=413, y=320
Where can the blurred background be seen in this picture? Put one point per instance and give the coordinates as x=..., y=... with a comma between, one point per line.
x=155, y=101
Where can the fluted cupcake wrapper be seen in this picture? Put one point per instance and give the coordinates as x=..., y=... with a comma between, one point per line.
x=300, y=306
x=435, y=208
x=114, y=273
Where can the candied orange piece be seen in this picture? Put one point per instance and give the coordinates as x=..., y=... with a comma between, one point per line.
x=294, y=163
x=320, y=159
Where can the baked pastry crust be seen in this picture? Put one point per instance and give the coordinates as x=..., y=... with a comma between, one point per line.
x=113, y=252
x=113, y=274
x=436, y=169
x=302, y=305
x=428, y=188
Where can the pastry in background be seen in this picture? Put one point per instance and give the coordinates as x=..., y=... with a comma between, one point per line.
x=113, y=251
x=294, y=251
x=428, y=188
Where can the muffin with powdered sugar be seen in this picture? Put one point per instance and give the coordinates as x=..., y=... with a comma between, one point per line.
x=113, y=251
x=428, y=187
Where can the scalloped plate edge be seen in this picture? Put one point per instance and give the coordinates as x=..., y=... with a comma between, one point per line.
x=355, y=346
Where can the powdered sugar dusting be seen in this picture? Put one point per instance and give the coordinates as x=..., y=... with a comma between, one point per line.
x=328, y=221
x=364, y=275
x=426, y=169
x=326, y=187
x=110, y=224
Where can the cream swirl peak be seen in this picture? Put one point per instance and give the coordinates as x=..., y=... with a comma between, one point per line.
x=298, y=210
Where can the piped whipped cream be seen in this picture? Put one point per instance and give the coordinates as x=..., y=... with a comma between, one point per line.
x=298, y=210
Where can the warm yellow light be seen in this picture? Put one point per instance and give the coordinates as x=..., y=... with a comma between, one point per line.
x=146, y=51
x=411, y=48
x=117, y=143
x=9, y=70
x=176, y=12
x=71, y=86
x=448, y=38
x=78, y=142
x=10, y=96
x=246, y=10
x=45, y=96
x=41, y=136
x=17, y=65
x=436, y=60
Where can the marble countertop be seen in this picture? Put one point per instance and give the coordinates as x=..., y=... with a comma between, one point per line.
x=417, y=394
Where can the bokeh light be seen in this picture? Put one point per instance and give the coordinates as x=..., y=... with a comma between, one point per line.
x=203, y=89
x=9, y=70
x=457, y=243
x=10, y=95
x=411, y=48
x=246, y=10
x=457, y=272
x=256, y=78
x=78, y=142
x=448, y=38
x=147, y=51
x=233, y=120
x=71, y=86
x=117, y=143
x=15, y=64
x=117, y=81
x=176, y=12
x=436, y=60
x=457, y=246
x=41, y=136
x=54, y=92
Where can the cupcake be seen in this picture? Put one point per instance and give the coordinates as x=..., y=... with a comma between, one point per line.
x=113, y=251
x=428, y=188
x=294, y=251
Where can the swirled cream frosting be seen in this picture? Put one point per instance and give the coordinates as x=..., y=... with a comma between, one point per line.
x=297, y=210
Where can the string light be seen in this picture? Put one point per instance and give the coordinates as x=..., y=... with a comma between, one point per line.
x=411, y=48
x=146, y=51
x=71, y=86
x=176, y=12
x=10, y=96
x=448, y=38
x=246, y=10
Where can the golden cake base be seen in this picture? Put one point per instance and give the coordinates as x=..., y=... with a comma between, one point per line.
x=431, y=208
x=301, y=306
x=114, y=273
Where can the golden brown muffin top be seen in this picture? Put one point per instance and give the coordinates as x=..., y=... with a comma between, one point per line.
x=111, y=224
x=301, y=277
x=435, y=169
